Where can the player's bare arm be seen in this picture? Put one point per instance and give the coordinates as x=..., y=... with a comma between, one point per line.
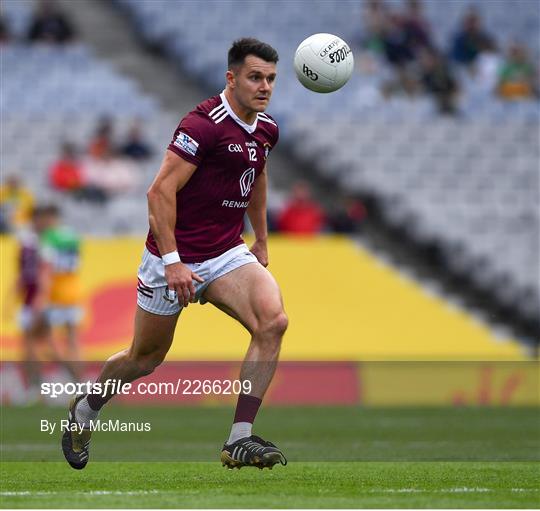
x=172, y=177
x=257, y=216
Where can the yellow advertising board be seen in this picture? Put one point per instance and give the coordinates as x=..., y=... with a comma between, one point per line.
x=450, y=383
x=343, y=304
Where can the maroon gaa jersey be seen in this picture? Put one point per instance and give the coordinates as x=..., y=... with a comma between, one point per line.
x=229, y=155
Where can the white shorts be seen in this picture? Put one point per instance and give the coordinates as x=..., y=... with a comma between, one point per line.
x=59, y=316
x=152, y=286
x=54, y=316
x=26, y=317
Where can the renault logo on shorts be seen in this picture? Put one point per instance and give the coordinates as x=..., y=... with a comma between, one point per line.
x=246, y=181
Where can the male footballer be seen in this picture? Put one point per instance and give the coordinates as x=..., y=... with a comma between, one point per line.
x=213, y=172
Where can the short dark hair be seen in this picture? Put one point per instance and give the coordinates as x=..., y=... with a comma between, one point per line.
x=241, y=48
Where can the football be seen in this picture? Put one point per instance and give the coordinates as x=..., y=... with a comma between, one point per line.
x=323, y=63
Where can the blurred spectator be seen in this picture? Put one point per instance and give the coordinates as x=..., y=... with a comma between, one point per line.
x=135, y=146
x=4, y=30
x=416, y=27
x=16, y=204
x=301, y=215
x=398, y=49
x=399, y=53
x=50, y=24
x=110, y=174
x=67, y=175
x=487, y=66
x=438, y=80
x=398, y=36
x=470, y=40
x=517, y=76
x=274, y=205
x=348, y=217
x=102, y=141
x=403, y=82
x=403, y=36
x=375, y=19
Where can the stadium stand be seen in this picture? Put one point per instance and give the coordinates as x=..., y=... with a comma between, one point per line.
x=468, y=184
x=75, y=89
x=65, y=91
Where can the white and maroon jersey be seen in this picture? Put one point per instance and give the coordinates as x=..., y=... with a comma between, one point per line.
x=229, y=155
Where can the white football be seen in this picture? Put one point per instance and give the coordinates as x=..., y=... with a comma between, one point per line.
x=323, y=63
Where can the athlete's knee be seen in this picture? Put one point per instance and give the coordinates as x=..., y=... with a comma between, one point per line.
x=280, y=324
x=146, y=363
x=273, y=325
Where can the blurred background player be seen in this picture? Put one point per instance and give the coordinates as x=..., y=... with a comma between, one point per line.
x=26, y=285
x=46, y=303
x=58, y=299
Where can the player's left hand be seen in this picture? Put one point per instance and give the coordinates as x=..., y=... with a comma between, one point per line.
x=260, y=250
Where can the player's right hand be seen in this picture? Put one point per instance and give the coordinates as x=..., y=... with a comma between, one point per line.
x=180, y=278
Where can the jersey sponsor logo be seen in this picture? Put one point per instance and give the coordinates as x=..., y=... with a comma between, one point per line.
x=251, y=144
x=235, y=148
x=267, y=148
x=246, y=181
x=235, y=204
x=186, y=143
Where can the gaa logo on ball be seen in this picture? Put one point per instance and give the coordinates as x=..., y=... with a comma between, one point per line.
x=323, y=63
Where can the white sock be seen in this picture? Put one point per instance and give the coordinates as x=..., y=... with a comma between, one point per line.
x=239, y=430
x=84, y=414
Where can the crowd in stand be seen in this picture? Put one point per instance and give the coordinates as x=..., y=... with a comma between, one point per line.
x=302, y=215
x=96, y=173
x=49, y=24
x=104, y=169
x=403, y=39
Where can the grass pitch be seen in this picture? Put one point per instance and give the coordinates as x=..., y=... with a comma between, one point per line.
x=342, y=457
x=311, y=485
